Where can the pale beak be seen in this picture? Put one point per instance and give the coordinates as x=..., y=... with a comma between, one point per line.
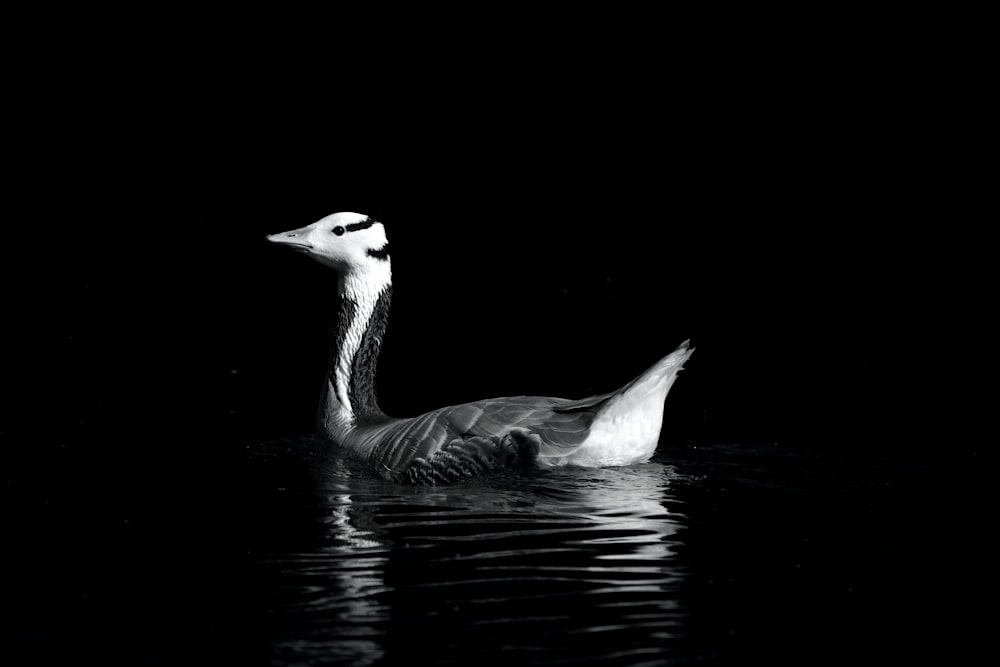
x=296, y=239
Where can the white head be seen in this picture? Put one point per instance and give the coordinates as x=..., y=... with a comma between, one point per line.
x=352, y=243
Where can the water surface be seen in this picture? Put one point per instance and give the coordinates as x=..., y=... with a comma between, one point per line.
x=711, y=555
x=556, y=563
x=720, y=554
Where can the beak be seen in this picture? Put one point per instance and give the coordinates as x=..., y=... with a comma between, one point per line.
x=295, y=239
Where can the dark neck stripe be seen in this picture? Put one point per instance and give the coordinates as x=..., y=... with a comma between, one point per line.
x=380, y=253
x=357, y=226
x=348, y=309
x=361, y=391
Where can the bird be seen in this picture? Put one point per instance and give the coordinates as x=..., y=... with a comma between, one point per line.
x=459, y=442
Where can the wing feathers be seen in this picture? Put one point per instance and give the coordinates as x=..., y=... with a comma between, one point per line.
x=463, y=459
x=463, y=441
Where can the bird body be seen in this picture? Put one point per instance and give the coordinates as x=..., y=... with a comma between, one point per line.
x=461, y=441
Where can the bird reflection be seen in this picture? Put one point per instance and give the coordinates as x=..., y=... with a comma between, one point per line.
x=588, y=550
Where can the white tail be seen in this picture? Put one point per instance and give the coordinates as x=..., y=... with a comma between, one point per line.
x=627, y=427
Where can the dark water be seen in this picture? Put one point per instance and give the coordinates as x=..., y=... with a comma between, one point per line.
x=555, y=564
x=717, y=554
x=712, y=554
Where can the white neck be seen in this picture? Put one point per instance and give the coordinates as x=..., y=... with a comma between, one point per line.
x=359, y=325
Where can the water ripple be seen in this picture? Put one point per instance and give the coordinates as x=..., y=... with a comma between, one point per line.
x=364, y=572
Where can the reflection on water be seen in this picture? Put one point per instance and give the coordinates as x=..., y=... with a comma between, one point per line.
x=554, y=564
x=721, y=554
x=730, y=553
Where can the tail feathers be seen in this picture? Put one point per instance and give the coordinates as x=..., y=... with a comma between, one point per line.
x=626, y=424
x=668, y=366
x=652, y=378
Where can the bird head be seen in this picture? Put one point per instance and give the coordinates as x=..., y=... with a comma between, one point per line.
x=347, y=242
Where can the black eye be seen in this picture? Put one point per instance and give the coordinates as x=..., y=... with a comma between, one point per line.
x=338, y=230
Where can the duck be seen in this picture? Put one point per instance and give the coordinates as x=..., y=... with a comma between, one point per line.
x=458, y=442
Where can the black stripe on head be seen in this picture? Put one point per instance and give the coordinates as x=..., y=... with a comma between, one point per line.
x=380, y=253
x=358, y=226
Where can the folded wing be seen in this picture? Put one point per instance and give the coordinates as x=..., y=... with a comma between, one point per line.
x=461, y=441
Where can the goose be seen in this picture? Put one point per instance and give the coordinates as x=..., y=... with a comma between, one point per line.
x=457, y=442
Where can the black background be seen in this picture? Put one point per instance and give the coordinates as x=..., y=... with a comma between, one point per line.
x=821, y=261
x=555, y=229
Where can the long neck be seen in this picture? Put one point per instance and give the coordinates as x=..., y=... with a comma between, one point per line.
x=357, y=341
